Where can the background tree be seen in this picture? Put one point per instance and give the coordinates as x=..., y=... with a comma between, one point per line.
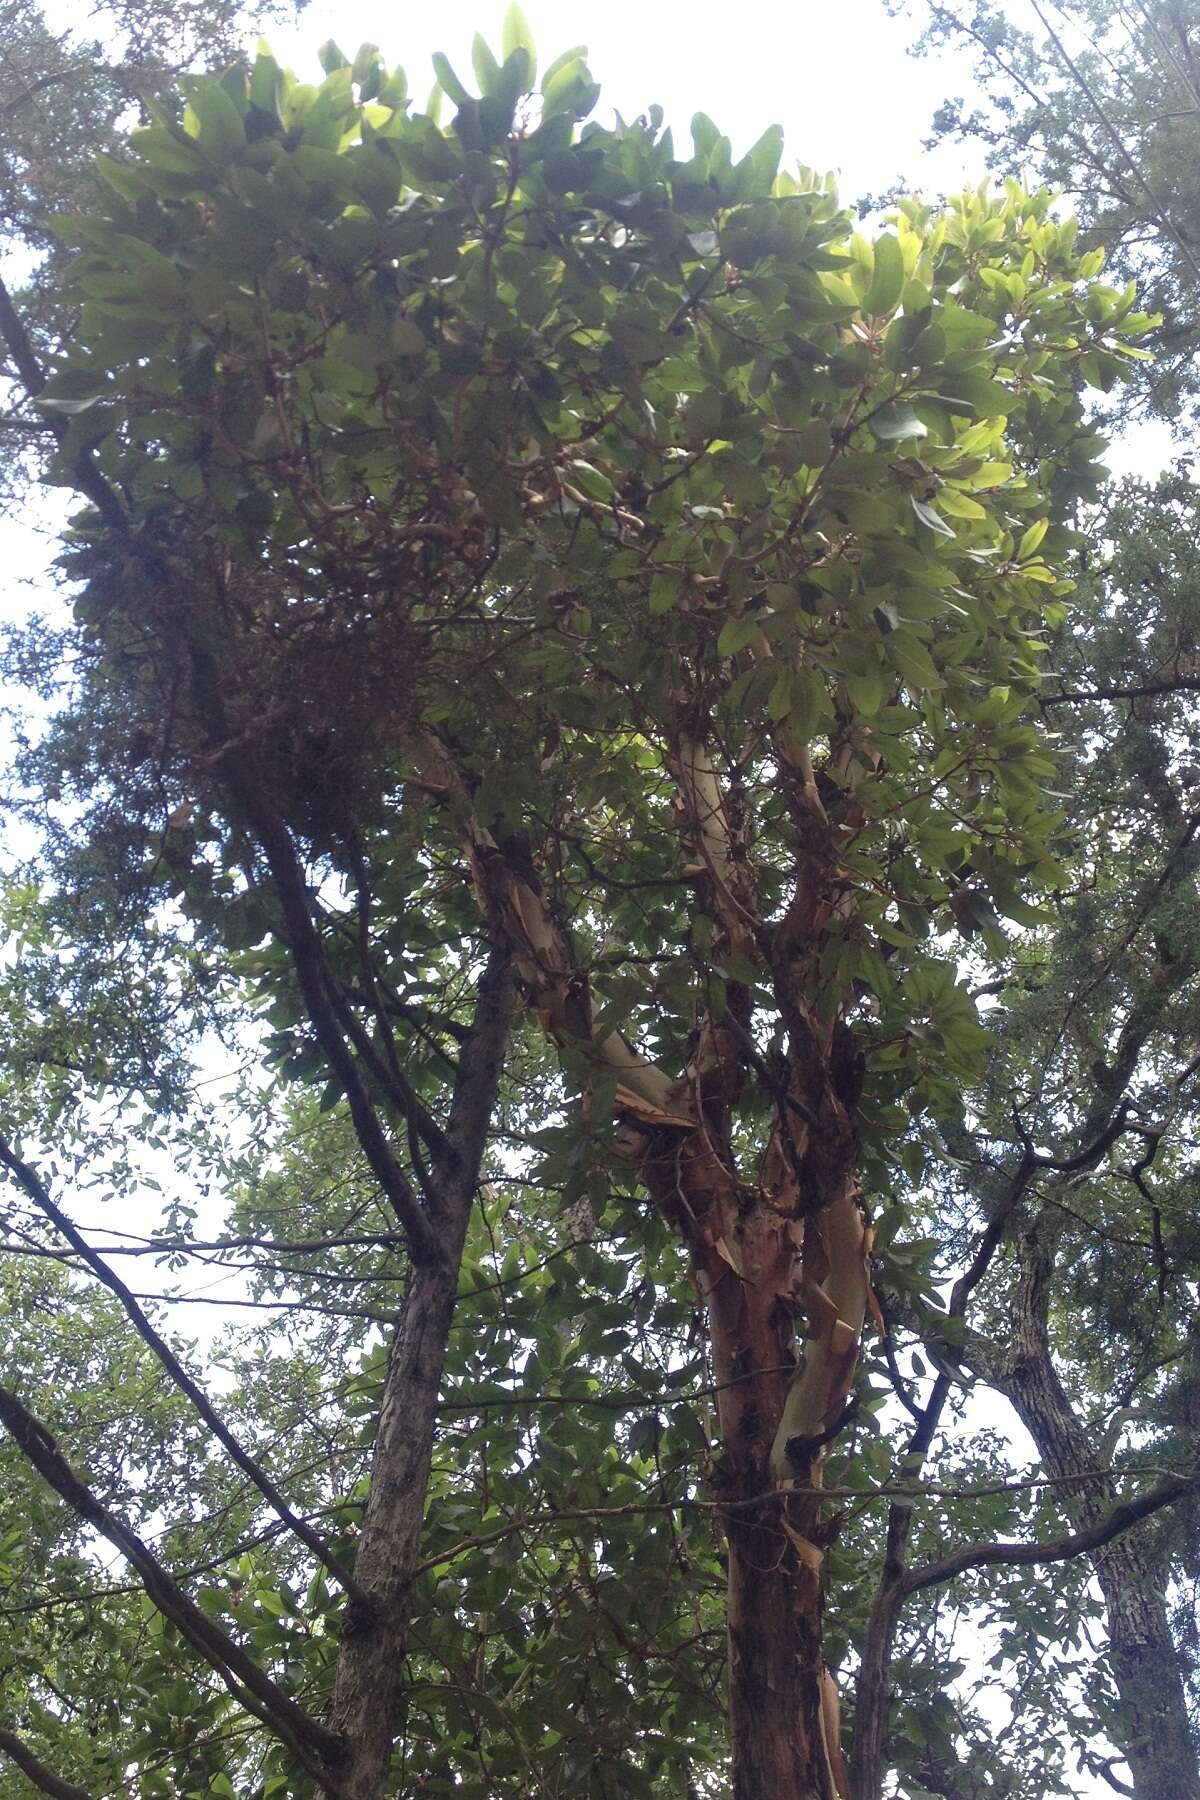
x=1103, y=105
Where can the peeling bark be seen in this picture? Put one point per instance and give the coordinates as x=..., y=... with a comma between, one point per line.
x=768, y=1252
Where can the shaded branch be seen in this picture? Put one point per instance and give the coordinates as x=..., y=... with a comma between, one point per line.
x=36, y=1190
x=311, y=1742
x=37, y=1772
x=308, y=958
x=1077, y=1543
x=1181, y=684
x=33, y=379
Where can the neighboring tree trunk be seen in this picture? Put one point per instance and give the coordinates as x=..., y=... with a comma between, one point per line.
x=368, y=1693
x=369, y=1690
x=1152, y=1731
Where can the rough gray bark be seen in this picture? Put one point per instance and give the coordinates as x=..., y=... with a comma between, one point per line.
x=1153, y=1731
x=872, y=1694
x=370, y=1674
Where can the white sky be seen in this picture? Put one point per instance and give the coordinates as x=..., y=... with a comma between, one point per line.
x=833, y=73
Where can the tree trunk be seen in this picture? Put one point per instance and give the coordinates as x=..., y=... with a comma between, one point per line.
x=756, y=1261
x=368, y=1691
x=1151, y=1730
x=1152, y=1727
x=775, y=1602
x=790, y=1242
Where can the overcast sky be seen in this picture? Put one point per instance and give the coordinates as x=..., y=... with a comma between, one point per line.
x=834, y=73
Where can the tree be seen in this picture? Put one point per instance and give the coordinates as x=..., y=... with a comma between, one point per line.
x=1103, y=106
x=566, y=618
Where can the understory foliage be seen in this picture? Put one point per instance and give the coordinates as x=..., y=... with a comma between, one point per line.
x=584, y=671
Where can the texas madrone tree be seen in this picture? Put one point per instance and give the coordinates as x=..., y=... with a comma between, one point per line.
x=560, y=618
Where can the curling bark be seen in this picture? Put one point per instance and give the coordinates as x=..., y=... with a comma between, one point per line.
x=779, y=1254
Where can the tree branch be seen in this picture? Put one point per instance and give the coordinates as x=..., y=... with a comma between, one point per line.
x=36, y=1190
x=1181, y=684
x=312, y=1743
x=33, y=379
x=37, y=1772
x=1077, y=1543
x=308, y=957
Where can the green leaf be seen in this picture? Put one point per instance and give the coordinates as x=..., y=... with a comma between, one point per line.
x=665, y=590
x=407, y=337
x=929, y=517
x=367, y=70
x=265, y=78
x=591, y=481
x=814, y=444
x=977, y=393
x=910, y=657
x=68, y=405
x=1013, y=907
x=892, y=423
x=887, y=281
x=736, y=633
x=448, y=81
x=809, y=704
x=868, y=691
x=214, y=121
x=571, y=90
x=1032, y=539
x=577, y=54
x=487, y=69
x=959, y=505
x=515, y=34
x=779, y=701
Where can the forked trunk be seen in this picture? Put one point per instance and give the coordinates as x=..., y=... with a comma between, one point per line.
x=790, y=1243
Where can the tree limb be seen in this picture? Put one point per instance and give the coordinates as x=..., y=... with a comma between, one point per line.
x=311, y=1742
x=37, y=1772
x=1181, y=684
x=33, y=379
x=1077, y=1543
x=35, y=1188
